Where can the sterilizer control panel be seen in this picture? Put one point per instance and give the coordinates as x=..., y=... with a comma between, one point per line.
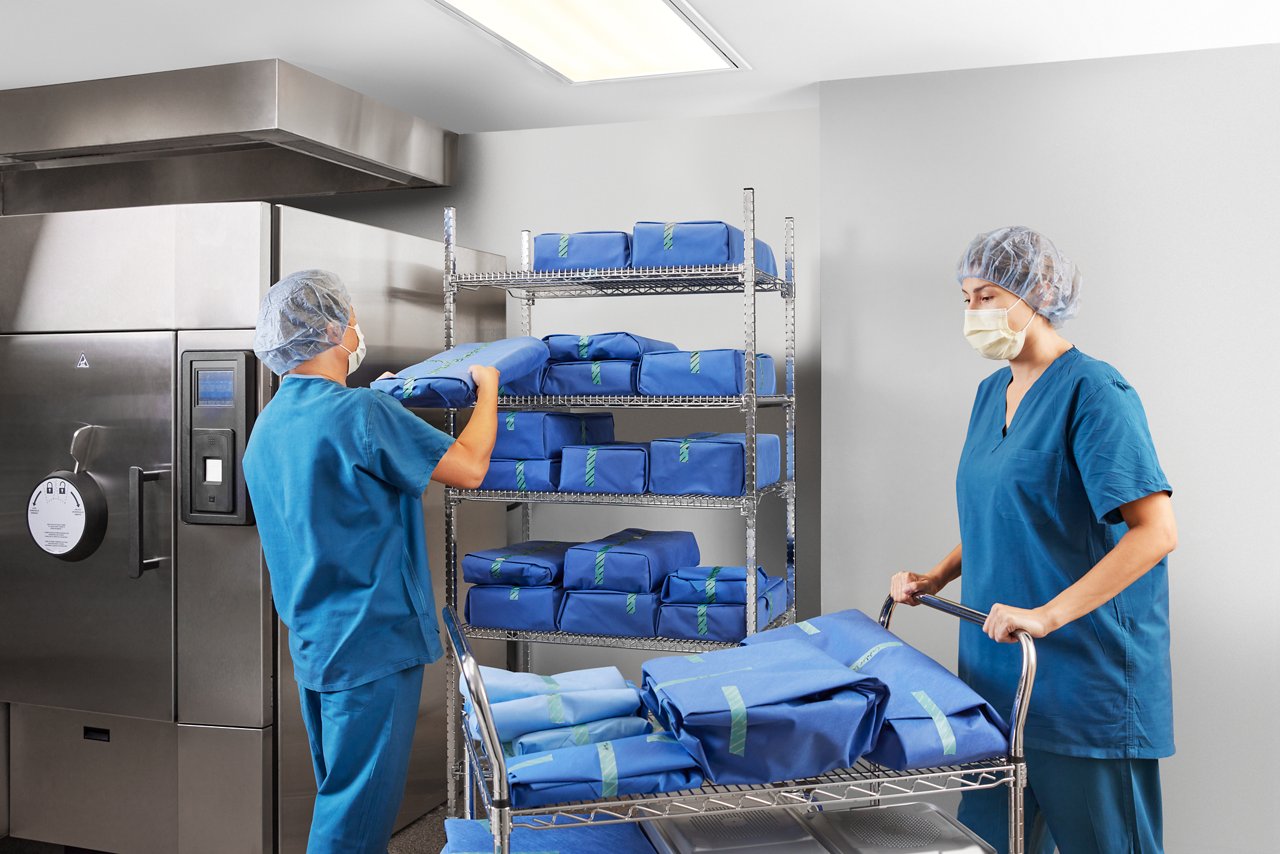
x=219, y=399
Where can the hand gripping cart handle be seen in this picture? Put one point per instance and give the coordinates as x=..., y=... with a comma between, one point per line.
x=864, y=784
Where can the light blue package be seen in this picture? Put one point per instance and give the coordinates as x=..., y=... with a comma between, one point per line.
x=543, y=435
x=632, y=560
x=502, y=685
x=711, y=463
x=582, y=250
x=591, y=732
x=619, y=467
x=444, y=381
x=514, y=718
x=703, y=373
x=694, y=244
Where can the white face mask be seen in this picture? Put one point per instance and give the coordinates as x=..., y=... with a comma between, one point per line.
x=987, y=330
x=355, y=357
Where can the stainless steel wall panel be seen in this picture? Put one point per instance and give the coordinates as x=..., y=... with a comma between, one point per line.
x=4, y=770
x=224, y=790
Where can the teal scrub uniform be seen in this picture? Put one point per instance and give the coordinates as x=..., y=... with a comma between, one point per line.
x=1039, y=507
x=336, y=476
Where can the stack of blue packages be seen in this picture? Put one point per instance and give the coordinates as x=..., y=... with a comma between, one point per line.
x=576, y=837
x=709, y=602
x=932, y=718
x=517, y=586
x=699, y=373
x=614, y=584
x=527, y=454
x=639, y=765
x=583, y=250
x=602, y=346
x=444, y=381
x=711, y=463
x=618, y=467
x=694, y=244
x=612, y=377
x=766, y=713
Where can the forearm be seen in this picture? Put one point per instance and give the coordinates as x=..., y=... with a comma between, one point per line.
x=481, y=432
x=1139, y=550
x=948, y=569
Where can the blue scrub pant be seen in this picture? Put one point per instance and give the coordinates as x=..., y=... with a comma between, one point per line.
x=1086, y=806
x=360, y=742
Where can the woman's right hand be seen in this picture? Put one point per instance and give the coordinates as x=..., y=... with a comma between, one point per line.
x=904, y=587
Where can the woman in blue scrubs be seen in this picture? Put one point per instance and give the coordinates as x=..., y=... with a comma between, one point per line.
x=1066, y=522
x=336, y=476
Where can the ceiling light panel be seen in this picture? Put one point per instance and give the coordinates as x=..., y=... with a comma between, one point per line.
x=585, y=41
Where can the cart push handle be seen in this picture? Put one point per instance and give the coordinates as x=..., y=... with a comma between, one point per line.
x=474, y=692
x=1021, y=699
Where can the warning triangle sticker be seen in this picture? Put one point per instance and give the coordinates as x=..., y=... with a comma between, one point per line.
x=84, y=361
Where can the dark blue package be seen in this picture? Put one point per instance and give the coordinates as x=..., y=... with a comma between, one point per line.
x=475, y=837
x=639, y=765
x=609, y=612
x=611, y=377
x=632, y=560
x=536, y=563
x=621, y=467
x=694, y=244
x=933, y=718
x=582, y=250
x=722, y=621
x=530, y=385
x=711, y=373
x=444, y=381
x=523, y=475
x=711, y=585
x=602, y=346
x=529, y=609
x=543, y=435
x=711, y=463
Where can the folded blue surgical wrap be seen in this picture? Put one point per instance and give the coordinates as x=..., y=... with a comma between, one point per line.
x=514, y=718
x=710, y=373
x=530, y=385
x=543, y=435
x=536, y=563
x=531, y=609
x=932, y=718
x=523, y=475
x=583, y=250
x=711, y=463
x=621, y=467
x=642, y=764
x=591, y=732
x=610, y=612
x=611, y=376
x=604, y=345
x=711, y=585
x=632, y=560
x=475, y=837
x=752, y=714
x=503, y=685
x=721, y=621
x=444, y=381
x=694, y=244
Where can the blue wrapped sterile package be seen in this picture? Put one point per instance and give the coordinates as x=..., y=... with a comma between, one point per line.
x=582, y=250
x=694, y=244
x=632, y=560
x=702, y=373
x=721, y=621
x=609, y=612
x=537, y=563
x=543, y=435
x=591, y=732
x=475, y=837
x=523, y=475
x=444, y=381
x=502, y=685
x=711, y=463
x=932, y=718
x=602, y=346
x=711, y=585
x=530, y=609
x=621, y=467
x=607, y=377
x=514, y=718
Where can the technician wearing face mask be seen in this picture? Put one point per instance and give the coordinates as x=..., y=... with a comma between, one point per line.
x=336, y=475
x=1065, y=525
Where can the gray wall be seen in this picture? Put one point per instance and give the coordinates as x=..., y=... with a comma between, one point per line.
x=1160, y=176
x=607, y=177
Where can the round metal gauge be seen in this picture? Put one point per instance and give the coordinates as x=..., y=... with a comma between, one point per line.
x=67, y=515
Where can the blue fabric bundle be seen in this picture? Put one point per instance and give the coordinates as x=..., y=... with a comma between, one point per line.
x=722, y=621
x=591, y=732
x=444, y=381
x=536, y=563
x=632, y=560
x=514, y=718
x=530, y=385
x=640, y=765
x=475, y=837
x=543, y=435
x=766, y=713
x=583, y=250
x=530, y=609
x=605, y=467
x=933, y=718
x=694, y=244
x=608, y=377
x=610, y=612
x=602, y=346
x=523, y=475
x=711, y=585
x=503, y=685
x=709, y=373
x=711, y=463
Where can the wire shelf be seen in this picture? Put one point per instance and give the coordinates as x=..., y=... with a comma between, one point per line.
x=639, y=402
x=657, y=644
x=630, y=282
x=781, y=488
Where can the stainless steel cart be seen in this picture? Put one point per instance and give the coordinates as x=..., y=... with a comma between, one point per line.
x=864, y=784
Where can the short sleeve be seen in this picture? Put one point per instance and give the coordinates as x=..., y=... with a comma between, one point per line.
x=401, y=448
x=1113, y=450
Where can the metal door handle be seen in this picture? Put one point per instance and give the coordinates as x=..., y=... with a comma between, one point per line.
x=137, y=565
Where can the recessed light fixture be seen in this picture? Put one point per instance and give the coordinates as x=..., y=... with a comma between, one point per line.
x=585, y=41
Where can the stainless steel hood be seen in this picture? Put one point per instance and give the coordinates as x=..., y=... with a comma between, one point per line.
x=249, y=130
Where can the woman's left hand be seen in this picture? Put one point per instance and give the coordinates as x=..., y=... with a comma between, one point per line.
x=1004, y=621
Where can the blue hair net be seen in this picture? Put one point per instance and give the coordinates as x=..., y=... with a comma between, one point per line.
x=302, y=315
x=1028, y=265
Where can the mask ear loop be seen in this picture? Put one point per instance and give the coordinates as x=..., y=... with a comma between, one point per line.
x=1029, y=322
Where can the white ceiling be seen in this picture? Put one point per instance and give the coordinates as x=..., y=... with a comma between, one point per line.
x=415, y=56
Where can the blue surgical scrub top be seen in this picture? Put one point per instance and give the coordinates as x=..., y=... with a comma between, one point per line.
x=1039, y=507
x=336, y=476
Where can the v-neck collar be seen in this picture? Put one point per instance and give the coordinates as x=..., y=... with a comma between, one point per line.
x=1026, y=398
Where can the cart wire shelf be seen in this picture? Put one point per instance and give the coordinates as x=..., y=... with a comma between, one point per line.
x=629, y=282
x=615, y=641
x=645, y=499
x=639, y=402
